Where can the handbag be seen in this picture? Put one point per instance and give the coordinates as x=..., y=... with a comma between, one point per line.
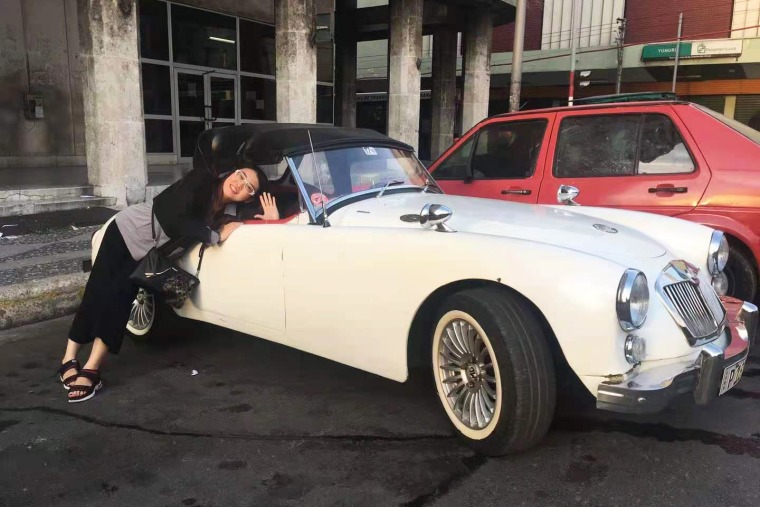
x=158, y=274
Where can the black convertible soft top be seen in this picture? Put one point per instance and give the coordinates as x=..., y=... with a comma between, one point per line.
x=221, y=149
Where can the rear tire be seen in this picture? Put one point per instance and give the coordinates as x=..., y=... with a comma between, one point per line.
x=509, y=405
x=148, y=318
x=741, y=273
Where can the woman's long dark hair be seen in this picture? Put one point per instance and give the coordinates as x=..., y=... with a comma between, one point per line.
x=216, y=216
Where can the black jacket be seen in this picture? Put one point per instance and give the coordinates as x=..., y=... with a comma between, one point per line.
x=183, y=208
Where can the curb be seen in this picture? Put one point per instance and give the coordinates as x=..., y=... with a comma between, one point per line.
x=40, y=300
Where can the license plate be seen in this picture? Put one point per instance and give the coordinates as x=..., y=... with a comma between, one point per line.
x=731, y=376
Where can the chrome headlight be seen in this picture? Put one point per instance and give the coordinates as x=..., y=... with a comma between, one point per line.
x=717, y=255
x=632, y=300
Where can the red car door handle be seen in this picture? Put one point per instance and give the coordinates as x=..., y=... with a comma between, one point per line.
x=670, y=190
x=516, y=191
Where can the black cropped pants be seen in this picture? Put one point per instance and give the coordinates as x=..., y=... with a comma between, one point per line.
x=109, y=294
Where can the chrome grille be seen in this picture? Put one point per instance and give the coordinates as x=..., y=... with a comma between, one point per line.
x=700, y=310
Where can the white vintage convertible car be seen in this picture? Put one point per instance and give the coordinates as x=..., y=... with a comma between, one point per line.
x=374, y=267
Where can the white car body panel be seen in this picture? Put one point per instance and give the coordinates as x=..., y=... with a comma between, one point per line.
x=350, y=292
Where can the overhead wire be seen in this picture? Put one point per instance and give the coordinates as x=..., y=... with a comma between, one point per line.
x=614, y=48
x=562, y=52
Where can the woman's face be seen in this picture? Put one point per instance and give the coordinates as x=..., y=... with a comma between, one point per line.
x=240, y=185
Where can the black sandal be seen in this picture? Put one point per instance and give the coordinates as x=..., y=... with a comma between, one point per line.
x=87, y=391
x=68, y=365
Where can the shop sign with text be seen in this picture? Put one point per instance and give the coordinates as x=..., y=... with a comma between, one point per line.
x=692, y=49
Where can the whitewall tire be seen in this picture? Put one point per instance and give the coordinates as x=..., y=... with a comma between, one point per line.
x=493, y=370
x=142, y=316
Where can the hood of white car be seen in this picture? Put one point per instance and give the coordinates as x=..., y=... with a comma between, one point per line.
x=545, y=224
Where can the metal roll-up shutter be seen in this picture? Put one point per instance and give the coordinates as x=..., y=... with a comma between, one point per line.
x=714, y=102
x=748, y=108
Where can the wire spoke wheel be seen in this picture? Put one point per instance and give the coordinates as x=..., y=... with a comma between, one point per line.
x=143, y=313
x=493, y=370
x=466, y=373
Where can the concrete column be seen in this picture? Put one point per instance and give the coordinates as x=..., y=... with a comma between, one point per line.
x=296, y=58
x=405, y=58
x=477, y=67
x=114, y=128
x=444, y=90
x=345, y=63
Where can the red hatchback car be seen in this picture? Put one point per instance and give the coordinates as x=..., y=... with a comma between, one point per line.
x=670, y=157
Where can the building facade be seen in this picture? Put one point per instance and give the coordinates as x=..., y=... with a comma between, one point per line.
x=101, y=93
x=719, y=58
x=201, y=64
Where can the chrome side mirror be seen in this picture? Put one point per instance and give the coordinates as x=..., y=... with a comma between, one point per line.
x=436, y=215
x=567, y=194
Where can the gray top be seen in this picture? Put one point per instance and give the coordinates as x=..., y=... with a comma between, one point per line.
x=134, y=226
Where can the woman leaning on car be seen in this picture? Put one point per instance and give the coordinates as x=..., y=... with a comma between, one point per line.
x=198, y=208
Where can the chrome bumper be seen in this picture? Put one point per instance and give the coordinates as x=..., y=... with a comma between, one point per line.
x=653, y=390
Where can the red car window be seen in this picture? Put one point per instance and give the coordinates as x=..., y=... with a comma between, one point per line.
x=620, y=145
x=507, y=150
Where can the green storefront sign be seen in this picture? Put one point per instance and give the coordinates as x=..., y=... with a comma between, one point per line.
x=665, y=51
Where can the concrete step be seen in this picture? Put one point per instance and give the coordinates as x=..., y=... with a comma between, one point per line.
x=29, y=207
x=8, y=195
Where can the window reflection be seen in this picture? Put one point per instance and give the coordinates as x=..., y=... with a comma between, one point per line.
x=154, y=33
x=188, y=136
x=325, y=62
x=324, y=104
x=258, y=99
x=222, y=90
x=203, y=38
x=597, y=146
x=157, y=95
x=158, y=136
x=257, y=52
x=661, y=149
x=508, y=150
x=190, y=94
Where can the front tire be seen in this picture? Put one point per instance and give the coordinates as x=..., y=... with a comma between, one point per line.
x=493, y=370
x=741, y=273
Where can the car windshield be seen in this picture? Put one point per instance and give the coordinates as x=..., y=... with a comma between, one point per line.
x=358, y=171
x=746, y=131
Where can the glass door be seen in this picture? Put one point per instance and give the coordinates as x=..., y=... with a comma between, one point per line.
x=204, y=100
x=221, y=100
x=191, y=110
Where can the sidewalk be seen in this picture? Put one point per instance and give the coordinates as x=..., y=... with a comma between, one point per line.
x=14, y=178
x=41, y=263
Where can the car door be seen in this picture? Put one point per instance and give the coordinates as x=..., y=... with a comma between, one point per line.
x=242, y=281
x=639, y=158
x=498, y=161
x=350, y=294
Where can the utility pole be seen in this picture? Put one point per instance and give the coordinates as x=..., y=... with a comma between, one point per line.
x=573, y=41
x=517, y=56
x=620, y=42
x=678, y=51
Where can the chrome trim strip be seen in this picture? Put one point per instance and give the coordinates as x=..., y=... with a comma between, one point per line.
x=748, y=315
x=302, y=189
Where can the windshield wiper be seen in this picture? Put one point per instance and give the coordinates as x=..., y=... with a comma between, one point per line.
x=392, y=182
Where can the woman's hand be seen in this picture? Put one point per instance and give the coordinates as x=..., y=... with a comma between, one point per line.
x=228, y=229
x=269, y=205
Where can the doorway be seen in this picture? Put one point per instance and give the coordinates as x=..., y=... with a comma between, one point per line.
x=204, y=100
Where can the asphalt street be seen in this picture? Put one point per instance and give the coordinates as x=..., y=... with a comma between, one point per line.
x=261, y=424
